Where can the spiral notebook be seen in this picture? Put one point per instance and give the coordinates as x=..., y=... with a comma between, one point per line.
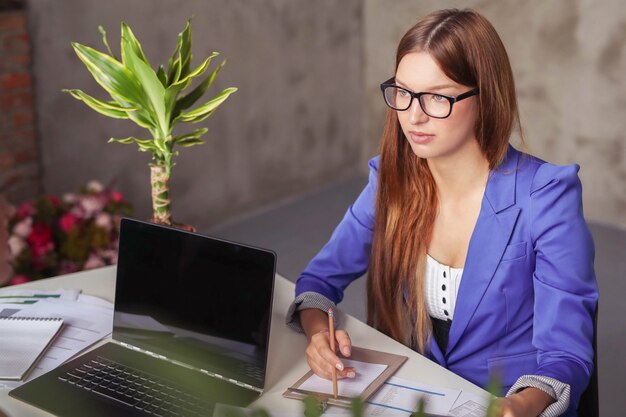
x=24, y=340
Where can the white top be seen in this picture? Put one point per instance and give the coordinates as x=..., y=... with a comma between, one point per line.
x=441, y=286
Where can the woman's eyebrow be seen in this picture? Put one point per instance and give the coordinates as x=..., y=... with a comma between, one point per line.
x=433, y=88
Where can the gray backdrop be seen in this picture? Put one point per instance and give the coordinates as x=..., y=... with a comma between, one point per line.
x=308, y=110
x=293, y=125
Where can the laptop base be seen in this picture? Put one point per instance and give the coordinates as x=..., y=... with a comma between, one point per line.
x=66, y=400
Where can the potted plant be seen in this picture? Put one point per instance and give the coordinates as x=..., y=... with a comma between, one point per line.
x=155, y=100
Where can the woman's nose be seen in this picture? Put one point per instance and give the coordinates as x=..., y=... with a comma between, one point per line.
x=416, y=114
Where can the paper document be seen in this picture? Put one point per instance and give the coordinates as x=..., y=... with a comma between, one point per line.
x=470, y=405
x=399, y=397
x=16, y=297
x=366, y=373
x=84, y=325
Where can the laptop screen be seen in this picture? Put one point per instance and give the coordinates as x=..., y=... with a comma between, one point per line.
x=194, y=299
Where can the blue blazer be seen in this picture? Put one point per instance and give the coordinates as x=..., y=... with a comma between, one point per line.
x=528, y=294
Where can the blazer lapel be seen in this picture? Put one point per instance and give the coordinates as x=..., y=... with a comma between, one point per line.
x=436, y=353
x=489, y=240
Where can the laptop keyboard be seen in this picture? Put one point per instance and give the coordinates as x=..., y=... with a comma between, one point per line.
x=145, y=392
x=252, y=371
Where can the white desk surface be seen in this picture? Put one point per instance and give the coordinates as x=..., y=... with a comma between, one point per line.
x=287, y=361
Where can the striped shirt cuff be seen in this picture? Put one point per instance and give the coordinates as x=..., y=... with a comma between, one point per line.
x=306, y=300
x=558, y=390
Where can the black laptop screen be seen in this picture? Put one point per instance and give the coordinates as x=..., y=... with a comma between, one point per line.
x=194, y=299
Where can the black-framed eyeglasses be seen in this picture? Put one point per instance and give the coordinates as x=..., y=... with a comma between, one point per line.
x=434, y=105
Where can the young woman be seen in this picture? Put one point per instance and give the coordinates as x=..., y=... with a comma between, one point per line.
x=478, y=255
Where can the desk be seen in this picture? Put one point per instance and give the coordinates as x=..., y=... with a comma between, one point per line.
x=287, y=362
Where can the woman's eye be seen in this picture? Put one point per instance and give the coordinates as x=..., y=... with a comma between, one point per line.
x=403, y=93
x=438, y=98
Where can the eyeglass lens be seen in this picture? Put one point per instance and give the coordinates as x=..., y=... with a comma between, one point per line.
x=432, y=104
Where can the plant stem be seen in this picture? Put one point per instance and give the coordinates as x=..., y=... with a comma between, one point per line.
x=160, y=181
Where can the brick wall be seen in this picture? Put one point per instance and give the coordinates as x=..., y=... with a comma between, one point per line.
x=19, y=158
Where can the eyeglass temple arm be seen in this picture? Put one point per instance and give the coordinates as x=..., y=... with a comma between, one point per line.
x=466, y=95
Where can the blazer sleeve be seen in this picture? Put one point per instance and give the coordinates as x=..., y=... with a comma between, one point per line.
x=346, y=255
x=565, y=286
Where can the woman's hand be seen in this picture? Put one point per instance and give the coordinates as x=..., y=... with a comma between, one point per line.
x=320, y=357
x=529, y=402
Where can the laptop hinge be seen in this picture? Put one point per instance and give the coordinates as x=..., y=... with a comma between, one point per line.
x=193, y=368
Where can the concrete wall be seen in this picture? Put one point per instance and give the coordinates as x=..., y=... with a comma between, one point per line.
x=293, y=125
x=569, y=61
x=309, y=109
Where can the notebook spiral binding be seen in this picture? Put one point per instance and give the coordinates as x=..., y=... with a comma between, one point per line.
x=32, y=318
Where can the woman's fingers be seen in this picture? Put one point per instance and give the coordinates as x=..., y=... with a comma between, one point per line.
x=344, y=342
x=322, y=359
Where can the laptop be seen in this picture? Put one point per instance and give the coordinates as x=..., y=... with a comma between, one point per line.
x=191, y=329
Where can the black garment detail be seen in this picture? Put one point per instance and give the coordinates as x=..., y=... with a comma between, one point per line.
x=441, y=331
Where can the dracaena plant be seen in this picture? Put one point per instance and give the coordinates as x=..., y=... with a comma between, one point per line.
x=156, y=100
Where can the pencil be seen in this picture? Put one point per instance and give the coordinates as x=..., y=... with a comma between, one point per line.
x=331, y=334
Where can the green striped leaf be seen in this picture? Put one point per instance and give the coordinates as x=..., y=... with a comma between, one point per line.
x=191, y=98
x=141, y=119
x=190, y=142
x=161, y=146
x=175, y=71
x=162, y=76
x=111, y=74
x=130, y=44
x=147, y=145
x=190, y=139
x=124, y=141
x=185, y=50
x=104, y=40
x=202, y=112
x=107, y=108
x=133, y=58
x=198, y=71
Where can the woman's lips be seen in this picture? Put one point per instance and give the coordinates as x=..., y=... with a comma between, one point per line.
x=421, y=138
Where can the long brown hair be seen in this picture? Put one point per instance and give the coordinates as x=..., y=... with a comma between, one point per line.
x=469, y=51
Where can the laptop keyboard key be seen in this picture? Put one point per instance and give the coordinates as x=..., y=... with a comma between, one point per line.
x=114, y=395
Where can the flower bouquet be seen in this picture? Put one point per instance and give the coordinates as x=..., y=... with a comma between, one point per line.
x=52, y=236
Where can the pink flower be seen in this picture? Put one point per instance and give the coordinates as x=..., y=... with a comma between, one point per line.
x=90, y=205
x=26, y=209
x=78, y=211
x=94, y=186
x=24, y=228
x=40, y=251
x=108, y=255
x=40, y=239
x=19, y=279
x=94, y=261
x=54, y=200
x=104, y=221
x=68, y=221
x=70, y=198
x=16, y=246
x=117, y=196
x=34, y=241
x=67, y=267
